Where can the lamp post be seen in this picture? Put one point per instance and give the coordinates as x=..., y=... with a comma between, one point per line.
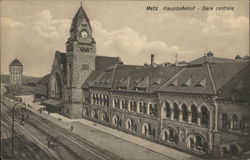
x=12, y=128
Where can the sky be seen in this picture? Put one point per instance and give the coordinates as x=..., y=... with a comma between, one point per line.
x=33, y=30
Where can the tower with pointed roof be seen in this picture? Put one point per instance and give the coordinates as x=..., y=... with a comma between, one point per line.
x=16, y=71
x=80, y=59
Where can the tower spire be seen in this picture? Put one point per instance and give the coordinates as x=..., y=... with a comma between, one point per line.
x=81, y=3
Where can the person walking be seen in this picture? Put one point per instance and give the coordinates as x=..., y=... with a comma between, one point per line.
x=71, y=128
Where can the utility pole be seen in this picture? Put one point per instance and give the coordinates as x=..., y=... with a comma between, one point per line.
x=12, y=129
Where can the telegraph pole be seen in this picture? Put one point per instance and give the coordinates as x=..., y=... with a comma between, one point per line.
x=12, y=129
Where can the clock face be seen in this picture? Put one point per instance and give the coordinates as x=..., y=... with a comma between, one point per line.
x=84, y=34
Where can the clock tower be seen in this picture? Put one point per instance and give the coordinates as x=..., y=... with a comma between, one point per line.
x=80, y=61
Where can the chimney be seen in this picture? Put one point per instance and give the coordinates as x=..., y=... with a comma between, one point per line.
x=210, y=54
x=152, y=59
x=176, y=60
x=238, y=57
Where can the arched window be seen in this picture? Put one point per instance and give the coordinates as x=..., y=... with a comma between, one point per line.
x=132, y=105
x=145, y=129
x=204, y=115
x=142, y=107
x=198, y=143
x=167, y=110
x=123, y=104
x=224, y=121
x=95, y=114
x=235, y=122
x=184, y=113
x=244, y=124
x=117, y=103
x=84, y=111
x=176, y=111
x=152, y=109
x=104, y=117
x=234, y=150
x=128, y=124
x=194, y=114
x=115, y=120
x=107, y=100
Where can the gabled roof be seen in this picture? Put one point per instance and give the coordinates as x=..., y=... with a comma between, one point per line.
x=60, y=58
x=102, y=62
x=125, y=82
x=16, y=62
x=209, y=58
x=44, y=80
x=187, y=83
x=238, y=85
x=205, y=78
x=190, y=77
x=144, y=83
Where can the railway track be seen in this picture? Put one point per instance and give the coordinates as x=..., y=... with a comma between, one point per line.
x=77, y=146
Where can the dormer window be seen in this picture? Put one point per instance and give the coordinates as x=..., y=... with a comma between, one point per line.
x=202, y=83
x=174, y=83
x=158, y=81
x=143, y=85
x=124, y=83
x=187, y=83
x=139, y=89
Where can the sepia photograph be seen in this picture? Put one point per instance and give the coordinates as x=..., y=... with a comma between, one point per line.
x=125, y=80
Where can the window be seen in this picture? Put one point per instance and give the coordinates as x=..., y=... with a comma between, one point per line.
x=124, y=104
x=117, y=121
x=234, y=150
x=194, y=114
x=167, y=110
x=94, y=114
x=204, y=116
x=198, y=143
x=132, y=106
x=142, y=107
x=116, y=103
x=224, y=121
x=148, y=130
x=244, y=124
x=235, y=122
x=176, y=111
x=84, y=112
x=152, y=109
x=184, y=113
x=104, y=117
x=131, y=125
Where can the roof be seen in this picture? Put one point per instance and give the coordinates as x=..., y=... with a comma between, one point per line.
x=61, y=62
x=102, y=62
x=16, y=62
x=209, y=58
x=80, y=15
x=190, y=80
x=44, y=80
x=131, y=77
x=205, y=78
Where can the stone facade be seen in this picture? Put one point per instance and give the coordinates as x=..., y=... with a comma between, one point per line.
x=198, y=107
x=16, y=71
